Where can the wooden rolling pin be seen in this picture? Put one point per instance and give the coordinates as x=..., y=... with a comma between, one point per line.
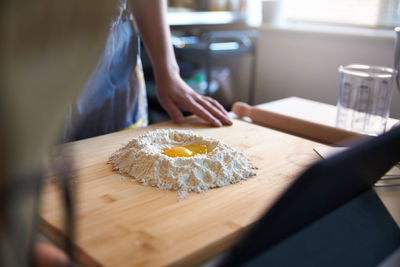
x=307, y=129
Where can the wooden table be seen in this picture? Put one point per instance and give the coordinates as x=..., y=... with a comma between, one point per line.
x=121, y=223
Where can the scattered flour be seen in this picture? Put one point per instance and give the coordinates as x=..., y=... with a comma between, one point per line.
x=142, y=159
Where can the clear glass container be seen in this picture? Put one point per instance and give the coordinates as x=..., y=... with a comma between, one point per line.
x=364, y=98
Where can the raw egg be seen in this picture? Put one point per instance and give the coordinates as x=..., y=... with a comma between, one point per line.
x=185, y=151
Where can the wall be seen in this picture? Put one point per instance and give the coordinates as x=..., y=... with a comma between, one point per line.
x=303, y=62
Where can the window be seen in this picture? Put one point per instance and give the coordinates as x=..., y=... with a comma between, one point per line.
x=371, y=13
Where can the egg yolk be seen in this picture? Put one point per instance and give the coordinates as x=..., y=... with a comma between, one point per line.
x=185, y=151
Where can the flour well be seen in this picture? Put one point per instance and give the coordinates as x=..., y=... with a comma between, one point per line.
x=143, y=160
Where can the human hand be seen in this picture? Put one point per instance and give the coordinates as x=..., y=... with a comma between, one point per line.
x=173, y=92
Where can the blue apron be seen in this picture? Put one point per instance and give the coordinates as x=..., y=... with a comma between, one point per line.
x=114, y=97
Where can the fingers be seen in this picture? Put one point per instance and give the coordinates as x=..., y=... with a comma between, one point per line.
x=215, y=109
x=203, y=113
x=178, y=94
x=216, y=104
x=172, y=110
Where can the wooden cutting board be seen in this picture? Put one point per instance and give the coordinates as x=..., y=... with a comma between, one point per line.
x=121, y=223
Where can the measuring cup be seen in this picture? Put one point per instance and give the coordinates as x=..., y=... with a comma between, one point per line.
x=364, y=98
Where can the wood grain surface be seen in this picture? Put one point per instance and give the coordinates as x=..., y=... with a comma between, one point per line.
x=121, y=223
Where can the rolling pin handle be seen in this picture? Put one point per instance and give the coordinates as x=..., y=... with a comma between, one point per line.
x=241, y=109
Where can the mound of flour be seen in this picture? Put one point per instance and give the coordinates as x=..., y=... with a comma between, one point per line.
x=142, y=159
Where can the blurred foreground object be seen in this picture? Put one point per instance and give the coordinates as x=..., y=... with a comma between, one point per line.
x=48, y=50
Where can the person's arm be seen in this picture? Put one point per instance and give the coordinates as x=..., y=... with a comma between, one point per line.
x=172, y=91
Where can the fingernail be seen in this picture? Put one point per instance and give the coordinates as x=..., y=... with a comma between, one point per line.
x=179, y=120
x=217, y=124
x=228, y=121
